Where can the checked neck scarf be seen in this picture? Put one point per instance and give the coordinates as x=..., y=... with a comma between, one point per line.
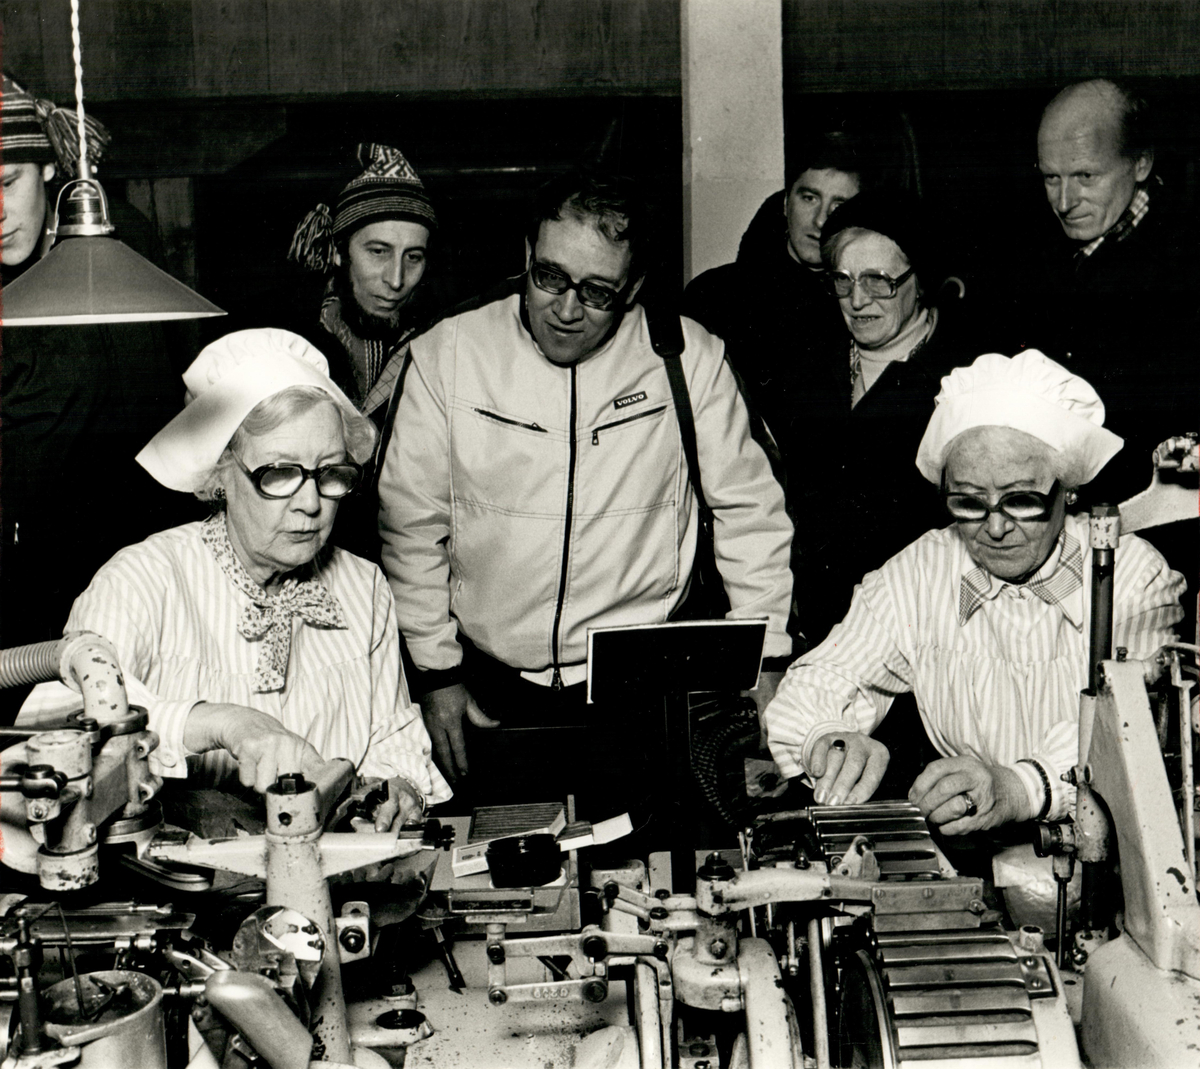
x=1064, y=579
x=269, y=616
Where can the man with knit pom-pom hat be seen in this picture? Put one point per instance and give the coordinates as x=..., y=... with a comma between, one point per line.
x=78, y=401
x=985, y=621
x=372, y=245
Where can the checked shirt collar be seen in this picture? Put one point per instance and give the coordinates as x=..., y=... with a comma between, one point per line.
x=1121, y=229
x=1056, y=583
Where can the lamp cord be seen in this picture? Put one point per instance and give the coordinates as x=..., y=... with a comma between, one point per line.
x=77, y=56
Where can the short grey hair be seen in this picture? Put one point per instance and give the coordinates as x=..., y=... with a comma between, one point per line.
x=358, y=432
x=1069, y=466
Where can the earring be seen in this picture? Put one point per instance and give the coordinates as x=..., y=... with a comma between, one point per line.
x=219, y=494
x=1072, y=497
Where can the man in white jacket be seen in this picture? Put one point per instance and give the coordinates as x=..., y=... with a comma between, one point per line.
x=535, y=485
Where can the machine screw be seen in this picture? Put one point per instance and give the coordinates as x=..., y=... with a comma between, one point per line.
x=594, y=946
x=38, y=811
x=497, y=997
x=658, y=913
x=927, y=893
x=976, y=906
x=1029, y=963
x=702, y=1065
x=661, y=950
x=594, y=991
x=1079, y=957
x=352, y=939
x=612, y=890
x=718, y=948
x=291, y=783
x=495, y=953
x=662, y=893
x=802, y=861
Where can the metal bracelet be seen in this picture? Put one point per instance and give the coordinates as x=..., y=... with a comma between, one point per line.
x=416, y=790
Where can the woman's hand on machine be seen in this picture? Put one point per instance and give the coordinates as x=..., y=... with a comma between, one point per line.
x=846, y=767
x=963, y=795
x=404, y=805
x=443, y=711
x=263, y=748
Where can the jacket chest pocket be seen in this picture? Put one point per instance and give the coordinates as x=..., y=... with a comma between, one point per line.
x=613, y=425
x=629, y=463
x=507, y=462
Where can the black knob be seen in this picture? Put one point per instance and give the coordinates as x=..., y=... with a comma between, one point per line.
x=353, y=939
x=715, y=867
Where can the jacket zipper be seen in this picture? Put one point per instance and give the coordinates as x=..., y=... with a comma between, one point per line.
x=556, y=682
x=510, y=422
x=628, y=419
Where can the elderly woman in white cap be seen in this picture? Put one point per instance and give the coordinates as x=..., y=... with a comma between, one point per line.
x=259, y=645
x=984, y=621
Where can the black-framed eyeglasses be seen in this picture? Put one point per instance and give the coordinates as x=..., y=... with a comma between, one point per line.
x=875, y=285
x=552, y=280
x=281, y=480
x=1023, y=506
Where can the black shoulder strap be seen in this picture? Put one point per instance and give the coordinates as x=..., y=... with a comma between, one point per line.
x=666, y=336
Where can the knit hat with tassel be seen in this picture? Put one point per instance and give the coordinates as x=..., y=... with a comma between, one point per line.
x=387, y=189
x=37, y=131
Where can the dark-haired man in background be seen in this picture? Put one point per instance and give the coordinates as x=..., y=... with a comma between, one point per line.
x=773, y=307
x=535, y=486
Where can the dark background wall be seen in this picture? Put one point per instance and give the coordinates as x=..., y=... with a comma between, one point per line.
x=232, y=117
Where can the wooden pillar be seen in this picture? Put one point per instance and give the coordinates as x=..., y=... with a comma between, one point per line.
x=732, y=74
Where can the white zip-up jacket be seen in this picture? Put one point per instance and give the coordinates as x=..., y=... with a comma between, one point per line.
x=522, y=502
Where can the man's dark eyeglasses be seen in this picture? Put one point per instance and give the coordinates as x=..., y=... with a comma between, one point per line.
x=554, y=281
x=881, y=287
x=1024, y=506
x=278, y=481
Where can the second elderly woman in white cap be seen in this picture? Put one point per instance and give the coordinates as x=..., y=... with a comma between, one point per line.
x=984, y=621
x=262, y=648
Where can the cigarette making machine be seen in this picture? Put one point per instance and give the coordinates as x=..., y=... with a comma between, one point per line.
x=832, y=936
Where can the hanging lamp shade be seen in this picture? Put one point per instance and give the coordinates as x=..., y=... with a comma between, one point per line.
x=97, y=280
x=91, y=277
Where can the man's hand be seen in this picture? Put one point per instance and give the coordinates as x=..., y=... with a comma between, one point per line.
x=443, y=711
x=263, y=748
x=948, y=788
x=403, y=805
x=768, y=683
x=846, y=767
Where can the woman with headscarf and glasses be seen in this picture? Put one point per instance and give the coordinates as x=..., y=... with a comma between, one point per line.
x=261, y=648
x=853, y=488
x=985, y=621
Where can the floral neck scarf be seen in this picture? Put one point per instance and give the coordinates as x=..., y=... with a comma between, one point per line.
x=269, y=616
